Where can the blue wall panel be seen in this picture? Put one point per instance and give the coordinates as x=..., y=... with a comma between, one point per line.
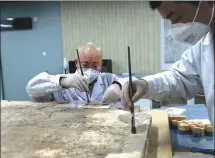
x=22, y=51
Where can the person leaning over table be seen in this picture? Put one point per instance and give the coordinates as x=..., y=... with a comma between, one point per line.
x=192, y=23
x=100, y=86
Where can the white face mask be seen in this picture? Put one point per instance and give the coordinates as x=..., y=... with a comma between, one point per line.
x=192, y=32
x=91, y=74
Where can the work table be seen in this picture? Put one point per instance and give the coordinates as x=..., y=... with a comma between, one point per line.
x=32, y=129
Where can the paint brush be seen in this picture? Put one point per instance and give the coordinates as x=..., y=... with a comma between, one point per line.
x=88, y=100
x=133, y=128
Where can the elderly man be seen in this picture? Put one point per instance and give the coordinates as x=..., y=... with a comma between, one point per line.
x=192, y=74
x=70, y=87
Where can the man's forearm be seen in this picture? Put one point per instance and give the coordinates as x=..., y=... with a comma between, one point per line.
x=42, y=85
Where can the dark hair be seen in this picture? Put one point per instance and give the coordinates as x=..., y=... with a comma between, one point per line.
x=156, y=4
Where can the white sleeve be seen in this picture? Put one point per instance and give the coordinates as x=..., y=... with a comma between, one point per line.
x=122, y=81
x=181, y=80
x=43, y=84
x=109, y=78
x=114, y=78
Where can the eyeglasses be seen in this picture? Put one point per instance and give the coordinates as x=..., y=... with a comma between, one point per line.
x=93, y=65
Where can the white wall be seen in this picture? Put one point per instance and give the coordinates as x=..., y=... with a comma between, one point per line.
x=114, y=26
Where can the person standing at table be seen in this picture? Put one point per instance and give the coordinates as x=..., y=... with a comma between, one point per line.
x=192, y=23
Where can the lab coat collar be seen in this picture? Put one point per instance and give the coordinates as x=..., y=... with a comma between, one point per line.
x=207, y=39
x=98, y=90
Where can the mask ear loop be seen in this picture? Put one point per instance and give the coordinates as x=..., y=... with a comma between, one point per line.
x=197, y=11
x=211, y=16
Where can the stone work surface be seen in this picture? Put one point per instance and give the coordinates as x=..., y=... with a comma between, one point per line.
x=50, y=130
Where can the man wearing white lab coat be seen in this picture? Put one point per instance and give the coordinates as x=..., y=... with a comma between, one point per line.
x=99, y=86
x=192, y=74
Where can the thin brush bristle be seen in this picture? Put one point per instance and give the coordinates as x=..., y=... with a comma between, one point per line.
x=133, y=130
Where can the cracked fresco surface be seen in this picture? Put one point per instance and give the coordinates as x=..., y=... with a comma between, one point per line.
x=31, y=130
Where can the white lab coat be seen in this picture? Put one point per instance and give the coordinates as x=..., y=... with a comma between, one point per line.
x=192, y=74
x=45, y=87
